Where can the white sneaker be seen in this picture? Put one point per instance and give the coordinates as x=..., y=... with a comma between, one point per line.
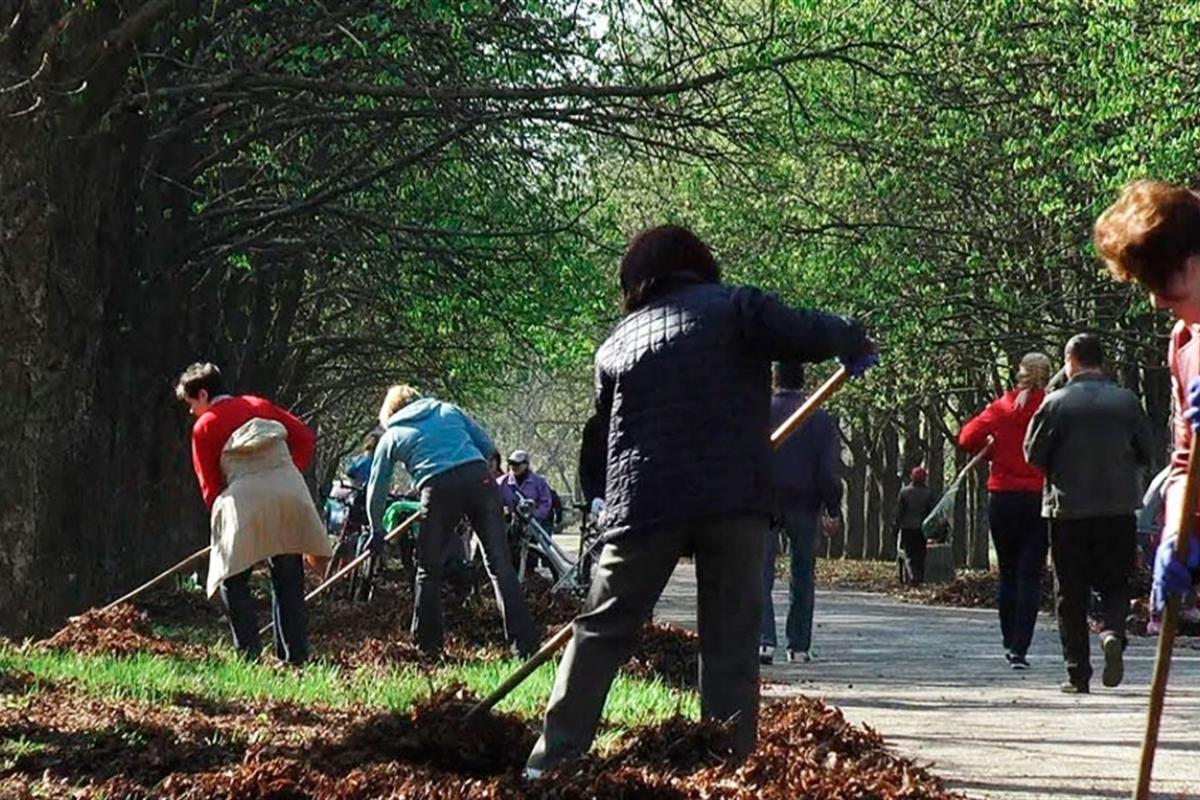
x=799, y=656
x=531, y=773
x=766, y=654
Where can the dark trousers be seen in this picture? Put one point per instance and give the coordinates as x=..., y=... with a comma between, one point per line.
x=1019, y=534
x=445, y=498
x=1095, y=553
x=800, y=527
x=632, y=572
x=912, y=542
x=287, y=610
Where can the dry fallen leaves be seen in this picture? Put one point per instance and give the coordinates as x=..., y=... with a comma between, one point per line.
x=91, y=749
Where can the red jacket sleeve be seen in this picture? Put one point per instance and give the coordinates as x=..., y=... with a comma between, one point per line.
x=974, y=435
x=1183, y=366
x=300, y=438
x=206, y=460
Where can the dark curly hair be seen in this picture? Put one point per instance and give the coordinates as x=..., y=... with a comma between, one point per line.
x=659, y=259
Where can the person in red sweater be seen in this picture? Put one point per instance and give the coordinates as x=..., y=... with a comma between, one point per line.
x=248, y=453
x=1014, y=503
x=1151, y=235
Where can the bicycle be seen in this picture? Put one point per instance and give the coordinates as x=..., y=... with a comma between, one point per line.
x=528, y=538
x=346, y=512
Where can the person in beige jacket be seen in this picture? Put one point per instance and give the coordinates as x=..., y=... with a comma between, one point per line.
x=248, y=454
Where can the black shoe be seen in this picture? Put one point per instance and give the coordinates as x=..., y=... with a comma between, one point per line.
x=1018, y=662
x=1114, y=660
x=1071, y=687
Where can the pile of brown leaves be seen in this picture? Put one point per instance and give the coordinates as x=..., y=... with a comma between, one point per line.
x=91, y=749
x=667, y=652
x=854, y=575
x=975, y=589
x=377, y=633
x=433, y=733
x=121, y=631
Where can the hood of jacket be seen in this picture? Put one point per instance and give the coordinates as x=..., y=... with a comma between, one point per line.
x=413, y=412
x=254, y=435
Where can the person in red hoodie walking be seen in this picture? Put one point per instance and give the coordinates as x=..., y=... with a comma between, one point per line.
x=1015, y=503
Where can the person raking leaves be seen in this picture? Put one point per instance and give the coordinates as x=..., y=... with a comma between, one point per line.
x=683, y=388
x=446, y=453
x=248, y=454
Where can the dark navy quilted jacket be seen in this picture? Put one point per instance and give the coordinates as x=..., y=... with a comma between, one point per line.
x=684, y=384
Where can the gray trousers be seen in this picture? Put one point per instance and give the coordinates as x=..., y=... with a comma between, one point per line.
x=632, y=573
x=445, y=498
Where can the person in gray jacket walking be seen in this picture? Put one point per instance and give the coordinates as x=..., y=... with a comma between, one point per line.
x=915, y=503
x=1090, y=438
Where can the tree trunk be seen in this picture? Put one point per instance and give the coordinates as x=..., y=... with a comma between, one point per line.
x=835, y=543
x=935, y=447
x=874, y=501
x=856, y=481
x=980, y=530
x=890, y=492
x=103, y=495
x=958, y=533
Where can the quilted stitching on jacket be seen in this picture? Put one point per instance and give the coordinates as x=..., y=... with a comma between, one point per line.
x=684, y=385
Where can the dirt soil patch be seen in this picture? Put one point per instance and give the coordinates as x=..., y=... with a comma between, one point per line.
x=88, y=749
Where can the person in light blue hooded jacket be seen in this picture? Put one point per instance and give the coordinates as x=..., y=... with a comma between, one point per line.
x=446, y=452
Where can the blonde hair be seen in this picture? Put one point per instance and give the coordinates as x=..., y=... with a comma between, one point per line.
x=1033, y=372
x=397, y=397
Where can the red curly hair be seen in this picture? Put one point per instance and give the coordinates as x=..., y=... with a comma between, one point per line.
x=1149, y=233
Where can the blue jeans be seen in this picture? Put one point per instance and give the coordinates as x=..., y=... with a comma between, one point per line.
x=1021, y=538
x=801, y=530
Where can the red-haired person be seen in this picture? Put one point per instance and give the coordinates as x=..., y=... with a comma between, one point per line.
x=248, y=454
x=1014, y=503
x=1151, y=235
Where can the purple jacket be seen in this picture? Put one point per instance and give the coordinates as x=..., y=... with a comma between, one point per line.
x=807, y=468
x=533, y=487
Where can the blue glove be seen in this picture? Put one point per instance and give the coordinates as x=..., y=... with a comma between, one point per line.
x=1192, y=412
x=1173, y=575
x=858, y=366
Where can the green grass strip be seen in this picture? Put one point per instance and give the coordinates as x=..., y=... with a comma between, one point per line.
x=227, y=678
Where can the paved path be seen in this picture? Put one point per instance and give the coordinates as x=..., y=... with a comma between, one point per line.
x=934, y=683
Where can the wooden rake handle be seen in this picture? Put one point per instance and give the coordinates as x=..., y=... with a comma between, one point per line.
x=1166, y=635
x=563, y=635
x=801, y=414
x=196, y=556
x=341, y=573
